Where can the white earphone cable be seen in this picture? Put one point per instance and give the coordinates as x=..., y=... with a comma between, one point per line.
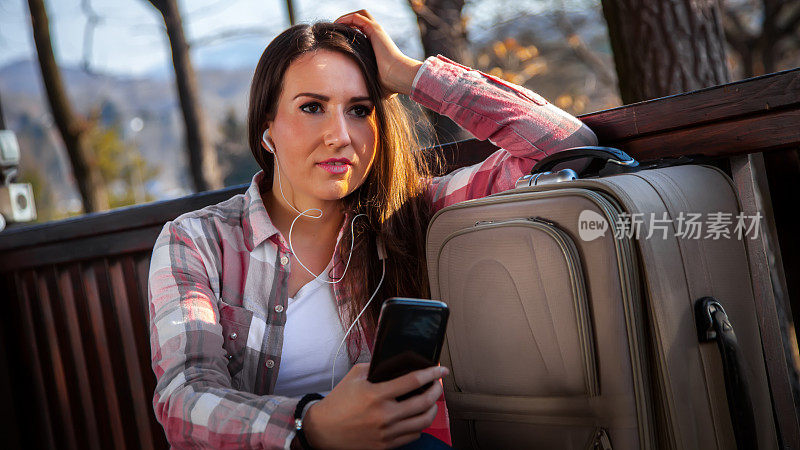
x=333, y=370
x=305, y=214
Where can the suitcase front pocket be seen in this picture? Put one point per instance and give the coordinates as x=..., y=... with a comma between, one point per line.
x=520, y=323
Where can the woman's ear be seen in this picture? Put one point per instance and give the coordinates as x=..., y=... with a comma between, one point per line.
x=266, y=140
x=265, y=144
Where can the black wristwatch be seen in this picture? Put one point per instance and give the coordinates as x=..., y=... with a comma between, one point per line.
x=298, y=418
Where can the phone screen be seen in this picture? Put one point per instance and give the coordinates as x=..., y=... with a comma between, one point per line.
x=409, y=337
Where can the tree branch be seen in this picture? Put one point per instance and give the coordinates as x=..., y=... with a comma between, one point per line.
x=483, y=31
x=70, y=124
x=203, y=166
x=735, y=31
x=582, y=51
x=791, y=24
x=229, y=34
x=92, y=21
x=421, y=10
x=160, y=5
x=290, y=12
x=2, y=117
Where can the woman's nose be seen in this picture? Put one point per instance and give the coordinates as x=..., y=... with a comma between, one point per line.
x=336, y=133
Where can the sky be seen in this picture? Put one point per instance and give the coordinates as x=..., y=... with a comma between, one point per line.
x=129, y=38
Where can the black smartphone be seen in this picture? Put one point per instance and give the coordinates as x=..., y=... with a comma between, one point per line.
x=409, y=337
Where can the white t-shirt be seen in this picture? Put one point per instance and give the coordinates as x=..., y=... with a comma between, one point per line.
x=311, y=337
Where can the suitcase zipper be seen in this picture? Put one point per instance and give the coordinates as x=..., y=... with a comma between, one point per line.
x=572, y=258
x=532, y=219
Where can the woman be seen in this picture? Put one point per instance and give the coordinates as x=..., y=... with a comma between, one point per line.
x=274, y=278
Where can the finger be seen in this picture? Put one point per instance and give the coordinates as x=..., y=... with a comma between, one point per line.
x=418, y=404
x=366, y=14
x=360, y=370
x=347, y=18
x=413, y=424
x=410, y=381
x=357, y=21
x=345, y=15
x=363, y=12
x=357, y=373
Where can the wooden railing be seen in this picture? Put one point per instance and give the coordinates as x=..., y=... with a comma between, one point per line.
x=74, y=345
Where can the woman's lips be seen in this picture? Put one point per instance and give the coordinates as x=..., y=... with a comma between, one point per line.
x=334, y=168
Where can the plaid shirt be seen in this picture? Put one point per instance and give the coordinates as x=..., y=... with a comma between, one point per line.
x=218, y=276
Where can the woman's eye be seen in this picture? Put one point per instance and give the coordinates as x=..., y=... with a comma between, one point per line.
x=361, y=110
x=312, y=108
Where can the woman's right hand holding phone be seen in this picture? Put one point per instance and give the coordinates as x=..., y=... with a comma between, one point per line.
x=361, y=414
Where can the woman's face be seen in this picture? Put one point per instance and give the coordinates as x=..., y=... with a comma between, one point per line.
x=325, y=130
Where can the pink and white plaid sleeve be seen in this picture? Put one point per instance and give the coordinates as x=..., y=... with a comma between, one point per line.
x=193, y=400
x=524, y=125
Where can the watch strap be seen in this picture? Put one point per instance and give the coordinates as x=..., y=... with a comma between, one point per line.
x=298, y=418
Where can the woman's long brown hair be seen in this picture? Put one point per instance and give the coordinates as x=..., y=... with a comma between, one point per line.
x=392, y=196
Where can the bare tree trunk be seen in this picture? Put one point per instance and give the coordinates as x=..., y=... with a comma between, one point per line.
x=203, y=166
x=2, y=117
x=290, y=12
x=71, y=126
x=664, y=47
x=442, y=31
x=442, y=28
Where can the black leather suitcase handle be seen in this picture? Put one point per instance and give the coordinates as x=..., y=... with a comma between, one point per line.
x=713, y=325
x=605, y=161
x=599, y=156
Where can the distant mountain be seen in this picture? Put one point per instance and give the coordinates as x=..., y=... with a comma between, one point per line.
x=153, y=99
x=219, y=88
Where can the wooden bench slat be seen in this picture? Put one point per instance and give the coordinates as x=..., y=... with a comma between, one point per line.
x=775, y=91
x=90, y=436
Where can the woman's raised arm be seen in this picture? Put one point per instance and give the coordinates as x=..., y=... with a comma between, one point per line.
x=523, y=124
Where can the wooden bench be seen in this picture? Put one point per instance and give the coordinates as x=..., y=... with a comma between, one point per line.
x=74, y=346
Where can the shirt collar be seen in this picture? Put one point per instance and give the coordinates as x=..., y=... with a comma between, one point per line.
x=256, y=223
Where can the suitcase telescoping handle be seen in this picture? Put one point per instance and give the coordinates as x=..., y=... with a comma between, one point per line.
x=713, y=325
x=600, y=156
x=598, y=160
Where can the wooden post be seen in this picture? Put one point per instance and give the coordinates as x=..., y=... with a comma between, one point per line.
x=748, y=171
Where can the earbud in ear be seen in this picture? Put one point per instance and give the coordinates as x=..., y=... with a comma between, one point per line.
x=265, y=138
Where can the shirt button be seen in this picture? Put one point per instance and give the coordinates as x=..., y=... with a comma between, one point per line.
x=284, y=260
x=278, y=308
x=270, y=364
x=234, y=335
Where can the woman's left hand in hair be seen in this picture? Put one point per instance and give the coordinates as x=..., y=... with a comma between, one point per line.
x=396, y=70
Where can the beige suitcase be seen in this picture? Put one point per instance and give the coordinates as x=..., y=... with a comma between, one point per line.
x=565, y=336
